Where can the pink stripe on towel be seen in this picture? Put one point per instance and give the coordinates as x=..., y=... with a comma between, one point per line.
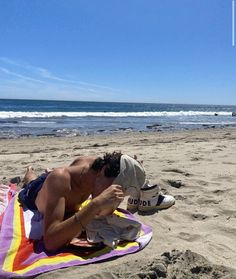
x=6, y=194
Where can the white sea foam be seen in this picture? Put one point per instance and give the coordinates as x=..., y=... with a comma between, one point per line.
x=208, y=123
x=37, y=122
x=35, y=114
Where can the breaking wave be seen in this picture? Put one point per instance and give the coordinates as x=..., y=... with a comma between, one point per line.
x=35, y=114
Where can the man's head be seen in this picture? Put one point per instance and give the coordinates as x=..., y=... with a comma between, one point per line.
x=125, y=170
x=110, y=162
x=107, y=168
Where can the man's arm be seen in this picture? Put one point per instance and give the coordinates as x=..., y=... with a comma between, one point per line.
x=59, y=232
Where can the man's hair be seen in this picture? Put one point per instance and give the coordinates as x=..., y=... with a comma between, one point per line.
x=112, y=163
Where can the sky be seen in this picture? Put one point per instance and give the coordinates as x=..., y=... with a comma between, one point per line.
x=178, y=51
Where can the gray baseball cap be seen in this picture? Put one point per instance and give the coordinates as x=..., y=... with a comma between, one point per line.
x=132, y=175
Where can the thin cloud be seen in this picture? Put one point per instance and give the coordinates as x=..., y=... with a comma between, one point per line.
x=8, y=72
x=44, y=83
x=22, y=80
x=46, y=74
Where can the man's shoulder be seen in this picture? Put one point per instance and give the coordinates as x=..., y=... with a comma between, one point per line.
x=84, y=160
x=59, y=180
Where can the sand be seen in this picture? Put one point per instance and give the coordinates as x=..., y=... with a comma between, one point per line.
x=197, y=167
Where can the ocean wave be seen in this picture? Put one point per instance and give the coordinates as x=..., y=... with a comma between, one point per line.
x=35, y=114
x=37, y=122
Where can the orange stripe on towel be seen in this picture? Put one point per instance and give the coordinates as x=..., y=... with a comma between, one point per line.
x=25, y=247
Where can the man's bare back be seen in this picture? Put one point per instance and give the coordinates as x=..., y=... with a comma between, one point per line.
x=78, y=183
x=64, y=190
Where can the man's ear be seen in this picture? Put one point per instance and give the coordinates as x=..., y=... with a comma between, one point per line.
x=102, y=171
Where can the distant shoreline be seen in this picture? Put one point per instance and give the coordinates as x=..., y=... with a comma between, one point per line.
x=156, y=129
x=122, y=134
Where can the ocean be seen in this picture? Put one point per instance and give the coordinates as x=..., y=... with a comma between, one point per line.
x=32, y=118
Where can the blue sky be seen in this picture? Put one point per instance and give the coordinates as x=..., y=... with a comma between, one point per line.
x=177, y=51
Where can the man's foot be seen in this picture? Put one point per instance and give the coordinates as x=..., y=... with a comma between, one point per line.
x=48, y=170
x=30, y=175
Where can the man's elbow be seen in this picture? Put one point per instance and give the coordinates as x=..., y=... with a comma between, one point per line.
x=51, y=245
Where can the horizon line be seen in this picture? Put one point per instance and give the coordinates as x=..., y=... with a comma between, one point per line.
x=119, y=102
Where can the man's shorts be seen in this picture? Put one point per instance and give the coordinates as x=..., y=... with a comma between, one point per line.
x=28, y=194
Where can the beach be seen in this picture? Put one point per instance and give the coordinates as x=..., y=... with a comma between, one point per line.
x=197, y=167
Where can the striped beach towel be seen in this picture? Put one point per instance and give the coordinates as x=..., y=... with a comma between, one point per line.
x=21, y=256
x=6, y=194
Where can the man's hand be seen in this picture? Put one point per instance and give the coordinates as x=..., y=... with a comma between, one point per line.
x=109, y=199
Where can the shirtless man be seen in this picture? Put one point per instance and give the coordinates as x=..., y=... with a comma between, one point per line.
x=59, y=194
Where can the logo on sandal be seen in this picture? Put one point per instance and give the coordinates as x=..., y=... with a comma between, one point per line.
x=133, y=201
x=144, y=203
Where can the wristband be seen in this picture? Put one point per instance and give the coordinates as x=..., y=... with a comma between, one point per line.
x=77, y=219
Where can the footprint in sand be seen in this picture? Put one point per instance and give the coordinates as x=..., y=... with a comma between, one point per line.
x=189, y=237
x=203, y=201
x=178, y=171
x=63, y=156
x=26, y=163
x=228, y=213
x=219, y=192
x=228, y=163
x=180, y=197
x=199, y=216
x=175, y=183
x=9, y=168
x=196, y=159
